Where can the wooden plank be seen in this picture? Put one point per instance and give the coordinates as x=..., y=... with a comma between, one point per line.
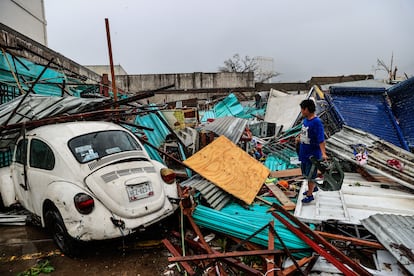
x=270, y=259
x=293, y=269
x=287, y=204
x=219, y=255
x=286, y=173
x=229, y=167
x=176, y=253
x=350, y=239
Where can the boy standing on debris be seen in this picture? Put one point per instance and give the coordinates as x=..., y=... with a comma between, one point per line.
x=312, y=144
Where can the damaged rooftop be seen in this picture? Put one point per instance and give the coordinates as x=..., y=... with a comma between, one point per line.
x=231, y=143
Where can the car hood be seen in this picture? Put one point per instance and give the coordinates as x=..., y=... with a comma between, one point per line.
x=128, y=189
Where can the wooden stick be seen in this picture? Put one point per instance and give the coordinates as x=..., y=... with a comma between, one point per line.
x=357, y=241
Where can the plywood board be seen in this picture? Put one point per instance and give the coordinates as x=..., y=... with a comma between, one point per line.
x=229, y=167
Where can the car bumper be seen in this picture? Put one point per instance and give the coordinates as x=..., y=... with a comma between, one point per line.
x=99, y=225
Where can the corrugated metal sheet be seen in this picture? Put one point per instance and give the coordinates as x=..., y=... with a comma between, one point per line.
x=402, y=99
x=205, y=115
x=156, y=136
x=283, y=109
x=216, y=197
x=229, y=106
x=367, y=109
x=379, y=152
x=47, y=85
x=231, y=127
x=36, y=107
x=363, y=83
x=357, y=200
x=396, y=234
x=240, y=222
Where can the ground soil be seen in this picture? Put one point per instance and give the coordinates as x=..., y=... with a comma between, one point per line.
x=22, y=247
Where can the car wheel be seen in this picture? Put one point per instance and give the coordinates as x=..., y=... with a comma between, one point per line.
x=64, y=241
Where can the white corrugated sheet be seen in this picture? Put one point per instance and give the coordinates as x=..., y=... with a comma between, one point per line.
x=282, y=108
x=357, y=200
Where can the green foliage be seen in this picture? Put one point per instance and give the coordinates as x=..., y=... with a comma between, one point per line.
x=40, y=267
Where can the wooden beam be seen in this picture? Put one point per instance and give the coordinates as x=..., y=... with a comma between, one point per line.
x=286, y=173
x=217, y=255
x=287, y=204
x=270, y=259
x=175, y=252
x=356, y=241
x=291, y=269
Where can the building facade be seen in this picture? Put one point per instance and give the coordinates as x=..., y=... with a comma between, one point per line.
x=26, y=17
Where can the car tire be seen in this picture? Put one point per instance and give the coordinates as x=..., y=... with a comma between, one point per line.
x=68, y=245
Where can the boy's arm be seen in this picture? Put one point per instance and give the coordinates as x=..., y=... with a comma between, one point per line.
x=323, y=150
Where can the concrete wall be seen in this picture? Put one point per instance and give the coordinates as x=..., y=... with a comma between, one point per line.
x=106, y=69
x=187, y=85
x=186, y=81
x=203, y=94
x=26, y=17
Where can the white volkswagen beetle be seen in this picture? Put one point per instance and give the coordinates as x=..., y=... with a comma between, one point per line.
x=88, y=181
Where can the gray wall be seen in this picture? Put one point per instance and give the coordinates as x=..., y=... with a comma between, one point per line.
x=185, y=81
x=187, y=85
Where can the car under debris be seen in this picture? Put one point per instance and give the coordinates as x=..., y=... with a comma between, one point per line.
x=87, y=181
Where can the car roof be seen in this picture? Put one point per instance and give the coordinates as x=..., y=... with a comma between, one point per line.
x=72, y=129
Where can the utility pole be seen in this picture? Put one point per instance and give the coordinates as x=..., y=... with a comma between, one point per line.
x=111, y=63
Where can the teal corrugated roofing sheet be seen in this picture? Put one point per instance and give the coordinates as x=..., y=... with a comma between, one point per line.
x=208, y=115
x=276, y=163
x=155, y=137
x=229, y=106
x=240, y=222
x=29, y=73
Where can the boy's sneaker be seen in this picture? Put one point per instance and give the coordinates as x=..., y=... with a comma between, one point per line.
x=314, y=190
x=307, y=199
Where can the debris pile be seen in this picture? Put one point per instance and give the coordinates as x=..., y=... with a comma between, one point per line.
x=240, y=179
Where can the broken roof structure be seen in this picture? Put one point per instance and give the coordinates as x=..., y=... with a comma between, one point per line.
x=402, y=97
x=229, y=179
x=368, y=109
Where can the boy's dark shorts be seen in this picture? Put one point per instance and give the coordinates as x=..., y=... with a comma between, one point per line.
x=308, y=170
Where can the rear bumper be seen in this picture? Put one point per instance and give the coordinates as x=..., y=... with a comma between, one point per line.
x=99, y=226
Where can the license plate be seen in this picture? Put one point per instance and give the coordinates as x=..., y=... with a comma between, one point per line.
x=139, y=191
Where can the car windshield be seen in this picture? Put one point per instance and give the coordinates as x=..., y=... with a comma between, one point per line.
x=96, y=145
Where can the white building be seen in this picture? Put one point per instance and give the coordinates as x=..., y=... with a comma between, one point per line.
x=265, y=68
x=26, y=17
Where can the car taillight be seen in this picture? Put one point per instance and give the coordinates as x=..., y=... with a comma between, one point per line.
x=84, y=203
x=168, y=175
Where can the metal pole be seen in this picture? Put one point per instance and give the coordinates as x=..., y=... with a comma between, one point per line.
x=111, y=63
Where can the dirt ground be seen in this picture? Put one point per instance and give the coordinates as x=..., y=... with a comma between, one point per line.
x=22, y=247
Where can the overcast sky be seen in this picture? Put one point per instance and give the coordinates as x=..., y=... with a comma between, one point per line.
x=304, y=38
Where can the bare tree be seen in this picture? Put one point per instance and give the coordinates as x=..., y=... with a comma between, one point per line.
x=247, y=64
x=382, y=66
x=239, y=64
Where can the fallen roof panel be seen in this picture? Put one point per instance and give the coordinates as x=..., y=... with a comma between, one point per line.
x=231, y=127
x=358, y=199
x=367, y=109
x=282, y=108
x=395, y=232
x=402, y=98
x=380, y=154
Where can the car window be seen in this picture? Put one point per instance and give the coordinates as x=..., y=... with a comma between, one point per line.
x=21, y=149
x=96, y=145
x=41, y=155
